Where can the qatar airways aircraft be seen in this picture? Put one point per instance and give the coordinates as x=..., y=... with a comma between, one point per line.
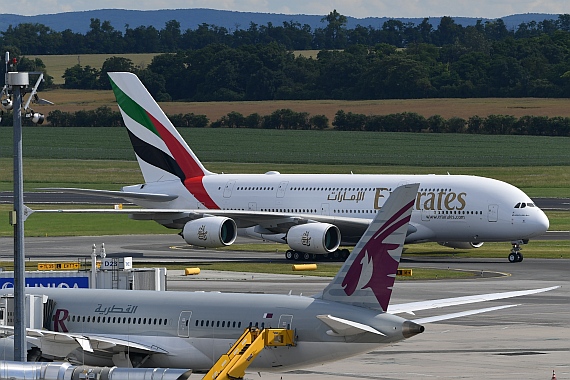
x=313, y=213
x=352, y=315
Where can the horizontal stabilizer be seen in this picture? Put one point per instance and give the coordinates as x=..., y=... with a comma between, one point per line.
x=445, y=317
x=412, y=307
x=344, y=327
x=114, y=194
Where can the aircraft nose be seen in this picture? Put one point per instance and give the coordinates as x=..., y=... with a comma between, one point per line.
x=542, y=222
x=539, y=223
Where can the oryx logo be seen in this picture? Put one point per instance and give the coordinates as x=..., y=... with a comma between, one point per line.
x=202, y=233
x=306, y=239
x=376, y=252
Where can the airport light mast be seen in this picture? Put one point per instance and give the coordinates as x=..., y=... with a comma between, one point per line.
x=12, y=96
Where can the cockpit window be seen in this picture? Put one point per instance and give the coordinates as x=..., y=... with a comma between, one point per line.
x=523, y=205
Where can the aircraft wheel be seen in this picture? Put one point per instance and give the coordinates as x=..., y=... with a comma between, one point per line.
x=344, y=254
x=296, y=256
x=306, y=256
x=519, y=257
x=289, y=254
x=512, y=257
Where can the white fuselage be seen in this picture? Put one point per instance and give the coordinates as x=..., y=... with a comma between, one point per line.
x=447, y=207
x=192, y=329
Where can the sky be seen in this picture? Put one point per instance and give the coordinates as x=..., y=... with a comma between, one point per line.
x=355, y=8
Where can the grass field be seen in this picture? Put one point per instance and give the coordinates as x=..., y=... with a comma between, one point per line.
x=103, y=158
x=448, y=151
x=56, y=64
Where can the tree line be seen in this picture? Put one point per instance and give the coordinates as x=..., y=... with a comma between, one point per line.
x=399, y=61
x=103, y=38
x=529, y=67
x=343, y=121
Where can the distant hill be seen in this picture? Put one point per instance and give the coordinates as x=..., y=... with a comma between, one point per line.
x=190, y=19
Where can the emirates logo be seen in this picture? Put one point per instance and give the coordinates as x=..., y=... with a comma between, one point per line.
x=202, y=233
x=306, y=239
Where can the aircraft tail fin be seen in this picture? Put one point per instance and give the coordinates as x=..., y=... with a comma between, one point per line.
x=161, y=151
x=367, y=277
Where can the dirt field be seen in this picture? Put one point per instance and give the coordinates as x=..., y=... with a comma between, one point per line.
x=74, y=100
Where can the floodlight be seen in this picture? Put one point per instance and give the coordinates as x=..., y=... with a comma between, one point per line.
x=7, y=104
x=37, y=118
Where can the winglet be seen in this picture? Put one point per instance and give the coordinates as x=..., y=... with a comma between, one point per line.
x=367, y=276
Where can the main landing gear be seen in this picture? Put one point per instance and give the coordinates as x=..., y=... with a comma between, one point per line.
x=338, y=255
x=515, y=256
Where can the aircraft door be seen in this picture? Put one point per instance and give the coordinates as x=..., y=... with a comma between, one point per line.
x=252, y=206
x=325, y=209
x=493, y=213
x=229, y=188
x=285, y=321
x=184, y=324
x=281, y=189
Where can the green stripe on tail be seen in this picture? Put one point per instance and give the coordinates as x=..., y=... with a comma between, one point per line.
x=131, y=108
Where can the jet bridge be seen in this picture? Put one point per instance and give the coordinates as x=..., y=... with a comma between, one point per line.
x=233, y=364
x=37, y=307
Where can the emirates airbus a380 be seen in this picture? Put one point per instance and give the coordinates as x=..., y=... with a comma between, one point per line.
x=313, y=213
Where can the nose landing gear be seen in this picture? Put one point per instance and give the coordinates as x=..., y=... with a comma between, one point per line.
x=515, y=256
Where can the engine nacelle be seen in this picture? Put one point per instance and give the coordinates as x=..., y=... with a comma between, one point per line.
x=318, y=238
x=210, y=232
x=461, y=244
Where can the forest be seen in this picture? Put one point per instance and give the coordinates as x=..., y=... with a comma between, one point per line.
x=396, y=61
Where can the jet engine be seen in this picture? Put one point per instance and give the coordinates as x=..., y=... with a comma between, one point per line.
x=461, y=244
x=317, y=238
x=210, y=232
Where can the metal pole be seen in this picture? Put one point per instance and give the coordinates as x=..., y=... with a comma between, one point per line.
x=20, y=347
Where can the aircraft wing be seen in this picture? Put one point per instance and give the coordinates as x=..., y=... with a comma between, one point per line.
x=412, y=307
x=60, y=344
x=273, y=222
